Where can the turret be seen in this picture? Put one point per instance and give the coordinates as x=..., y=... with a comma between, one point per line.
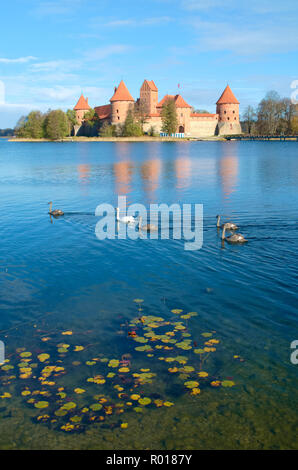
x=121, y=102
x=227, y=108
x=149, y=96
x=81, y=108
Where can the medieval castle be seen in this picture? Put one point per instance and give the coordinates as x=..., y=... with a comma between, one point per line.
x=224, y=122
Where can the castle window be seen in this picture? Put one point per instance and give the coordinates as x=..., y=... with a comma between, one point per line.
x=234, y=112
x=228, y=118
x=225, y=112
x=117, y=110
x=235, y=119
x=118, y=118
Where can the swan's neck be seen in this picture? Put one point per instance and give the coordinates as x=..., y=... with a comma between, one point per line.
x=218, y=221
x=51, y=206
x=223, y=233
x=140, y=222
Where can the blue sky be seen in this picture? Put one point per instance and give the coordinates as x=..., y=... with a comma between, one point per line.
x=51, y=51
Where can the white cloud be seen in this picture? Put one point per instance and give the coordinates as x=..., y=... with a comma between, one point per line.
x=19, y=60
x=138, y=22
x=57, y=8
x=106, y=51
x=53, y=65
x=246, y=40
x=204, y=4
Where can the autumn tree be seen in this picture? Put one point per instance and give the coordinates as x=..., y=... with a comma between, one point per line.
x=249, y=119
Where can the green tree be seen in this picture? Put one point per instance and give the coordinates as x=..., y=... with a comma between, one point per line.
x=131, y=127
x=169, y=117
x=56, y=125
x=31, y=126
x=107, y=130
x=72, y=120
x=200, y=111
x=90, y=116
x=152, y=132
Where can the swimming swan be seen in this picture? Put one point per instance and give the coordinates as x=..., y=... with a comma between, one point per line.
x=128, y=219
x=147, y=227
x=235, y=238
x=229, y=225
x=56, y=212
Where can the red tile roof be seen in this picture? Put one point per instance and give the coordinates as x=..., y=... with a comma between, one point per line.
x=121, y=93
x=152, y=85
x=103, y=112
x=227, y=97
x=179, y=101
x=82, y=104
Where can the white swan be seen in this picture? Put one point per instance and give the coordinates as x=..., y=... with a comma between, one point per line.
x=128, y=219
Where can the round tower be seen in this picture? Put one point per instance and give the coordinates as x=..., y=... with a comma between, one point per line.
x=227, y=108
x=121, y=102
x=81, y=108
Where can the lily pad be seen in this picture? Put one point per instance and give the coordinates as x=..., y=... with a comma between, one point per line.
x=96, y=407
x=43, y=357
x=41, y=404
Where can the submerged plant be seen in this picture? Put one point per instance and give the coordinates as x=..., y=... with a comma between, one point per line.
x=115, y=384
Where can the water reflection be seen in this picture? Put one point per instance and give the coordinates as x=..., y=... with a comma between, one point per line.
x=228, y=171
x=150, y=171
x=123, y=174
x=84, y=173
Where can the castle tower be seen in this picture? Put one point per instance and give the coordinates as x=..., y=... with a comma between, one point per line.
x=149, y=96
x=81, y=108
x=121, y=102
x=227, y=107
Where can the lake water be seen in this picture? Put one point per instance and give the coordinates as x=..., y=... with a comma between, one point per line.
x=66, y=294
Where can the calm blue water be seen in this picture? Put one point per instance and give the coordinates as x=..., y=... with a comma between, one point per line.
x=58, y=275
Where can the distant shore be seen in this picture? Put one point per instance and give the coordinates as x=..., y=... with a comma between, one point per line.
x=123, y=139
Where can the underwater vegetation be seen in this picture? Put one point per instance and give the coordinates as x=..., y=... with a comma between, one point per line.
x=68, y=390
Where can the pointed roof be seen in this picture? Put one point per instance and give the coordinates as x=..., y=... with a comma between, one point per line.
x=121, y=93
x=82, y=103
x=151, y=85
x=179, y=101
x=227, y=97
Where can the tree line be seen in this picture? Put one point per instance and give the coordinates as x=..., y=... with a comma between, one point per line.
x=274, y=115
x=53, y=125
x=56, y=124
x=6, y=132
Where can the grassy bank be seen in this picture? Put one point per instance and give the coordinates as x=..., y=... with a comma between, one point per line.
x=122, y=139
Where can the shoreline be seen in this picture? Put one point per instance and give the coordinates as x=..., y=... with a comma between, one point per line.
x=124, y=139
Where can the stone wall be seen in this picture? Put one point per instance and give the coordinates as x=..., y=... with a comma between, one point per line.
x=203, y=126
x=229, y=128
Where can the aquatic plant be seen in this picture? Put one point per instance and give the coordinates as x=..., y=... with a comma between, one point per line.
x=115, y=385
